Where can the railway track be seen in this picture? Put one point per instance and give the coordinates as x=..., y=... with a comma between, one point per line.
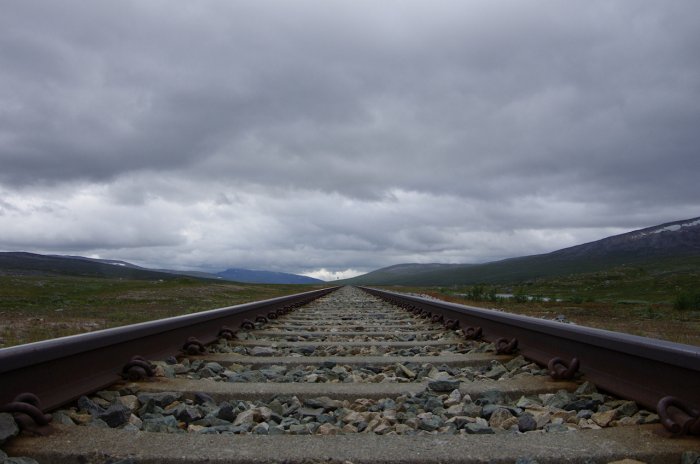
x=353, y=376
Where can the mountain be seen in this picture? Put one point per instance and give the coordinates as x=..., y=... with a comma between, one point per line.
x=678, y=242
x=265, y=277
x=22, y=263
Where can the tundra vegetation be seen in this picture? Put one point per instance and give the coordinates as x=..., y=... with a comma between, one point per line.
x=633, y=300
x=638, y=300
x=34, y=308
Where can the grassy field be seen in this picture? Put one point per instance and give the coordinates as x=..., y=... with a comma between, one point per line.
x=626, y=299
x=34, y=308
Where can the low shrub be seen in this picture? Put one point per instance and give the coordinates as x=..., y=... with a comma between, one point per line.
x=687, y=302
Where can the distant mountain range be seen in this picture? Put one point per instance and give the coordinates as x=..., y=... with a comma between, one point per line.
x=675, y=244
x=268, y=277
x=678, y=242
x=22, y=263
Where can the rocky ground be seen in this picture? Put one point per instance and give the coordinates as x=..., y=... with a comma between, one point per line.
x=441, y=408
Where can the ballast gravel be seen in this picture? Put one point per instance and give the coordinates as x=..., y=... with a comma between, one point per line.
x=333, y=372
x=427, y=412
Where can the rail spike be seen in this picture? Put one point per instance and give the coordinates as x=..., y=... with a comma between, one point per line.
x=678, y=417
x=560, y=370
x=26, y=410
x=247, y=324
x=472, y=333
x=452, y=324
x=227, y=332
x=505, y=346
x=138, y=368
x=193, y=347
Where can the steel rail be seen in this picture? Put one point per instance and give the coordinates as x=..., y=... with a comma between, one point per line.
x=638, y=368
x=58, y=371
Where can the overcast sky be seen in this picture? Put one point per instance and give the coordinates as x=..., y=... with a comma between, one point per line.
x=335, y=137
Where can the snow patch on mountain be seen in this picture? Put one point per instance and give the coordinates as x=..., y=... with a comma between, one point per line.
x=676, y=227
x=673, y=227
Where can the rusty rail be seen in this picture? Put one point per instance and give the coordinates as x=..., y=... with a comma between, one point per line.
x=638, y=368
x=58, y=371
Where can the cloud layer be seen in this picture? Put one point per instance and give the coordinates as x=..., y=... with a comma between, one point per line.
x=337, y=135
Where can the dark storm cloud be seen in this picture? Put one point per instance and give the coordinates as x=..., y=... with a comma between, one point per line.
x=552, y=122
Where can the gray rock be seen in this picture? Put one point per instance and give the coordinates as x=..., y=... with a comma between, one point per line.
x=86, y=404
x=499, y=416
x=403, y=371
x=527, y=423
x=386, y=403
x=271, y=374
x=311, y=412
x=164, y=369
x=326, y=419
x=323, y=402
x=157, y=423
x=108, y=395
x=490, y=397
x=212, y=421
x=186, y=413
x=249, y=416
x=560, y=399
x=227, y=412
x=262, y=351
x=443, y=385
x=586, y=388
x=97, y=423
x=214, y=367
x=460, y=421
x=203, y=398
x=242, y=428
x=299, y=429
x=159, y=399
x=430, y=423
x=276, y=406
x=516, y=363
x=472, y=409
x=478, y=429
x=551, y=428
x=288, y=422
x=276, y=430
x=527, y=402
x=262, y=428
x=60, y=417
x=8, y=427
x=306, y=350
x=627, y=409
x=583, y=403
x=496, y=371
x=116, y=415
x=206, y=373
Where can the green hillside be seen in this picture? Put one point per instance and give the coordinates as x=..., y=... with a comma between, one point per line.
x=671, y=245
